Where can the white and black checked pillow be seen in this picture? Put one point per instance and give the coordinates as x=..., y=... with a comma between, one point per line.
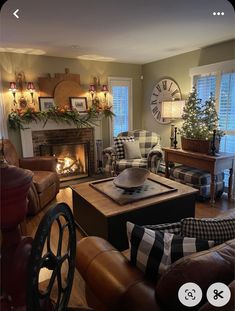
x=217, y=229
x=118, y=143
x=174, y=227
x=154, y=251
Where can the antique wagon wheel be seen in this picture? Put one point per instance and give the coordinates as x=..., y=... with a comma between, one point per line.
x=56, y=260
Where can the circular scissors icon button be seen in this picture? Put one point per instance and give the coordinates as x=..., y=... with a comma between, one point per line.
x=218, y=294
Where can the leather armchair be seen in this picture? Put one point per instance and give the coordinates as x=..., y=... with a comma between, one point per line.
x=45, y=185
x=112, y=283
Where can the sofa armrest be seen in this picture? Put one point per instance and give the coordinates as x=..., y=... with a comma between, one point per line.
x=112, y=279
x=203, y=268
x=39, y=163
x=230, y=306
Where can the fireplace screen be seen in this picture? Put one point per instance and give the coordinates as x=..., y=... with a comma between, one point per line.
x=72, y=159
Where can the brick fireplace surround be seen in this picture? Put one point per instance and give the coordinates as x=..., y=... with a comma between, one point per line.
x=54, y=133
x=63, y=137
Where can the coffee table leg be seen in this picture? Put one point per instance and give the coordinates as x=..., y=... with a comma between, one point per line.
x=167, y=168
x=213, y=177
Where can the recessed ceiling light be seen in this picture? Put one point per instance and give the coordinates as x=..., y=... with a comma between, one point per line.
x=74, y=46
x=97, y=58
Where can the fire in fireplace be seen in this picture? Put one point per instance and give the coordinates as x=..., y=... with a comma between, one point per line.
x=72, y=159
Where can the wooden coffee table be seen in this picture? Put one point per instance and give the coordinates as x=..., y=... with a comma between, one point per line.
x=97, y=214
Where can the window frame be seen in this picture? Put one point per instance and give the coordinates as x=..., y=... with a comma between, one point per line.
x=126, y=82
x=216, y=69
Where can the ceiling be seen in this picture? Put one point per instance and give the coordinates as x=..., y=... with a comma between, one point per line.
x=128, y=31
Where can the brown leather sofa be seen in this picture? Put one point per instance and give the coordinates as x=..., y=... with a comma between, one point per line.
x=112, y=283
x=45, y=185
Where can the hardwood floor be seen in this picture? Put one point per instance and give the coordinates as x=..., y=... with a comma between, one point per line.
x=77, y=298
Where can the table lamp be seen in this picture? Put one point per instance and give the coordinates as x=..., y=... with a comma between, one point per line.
x=172, y=110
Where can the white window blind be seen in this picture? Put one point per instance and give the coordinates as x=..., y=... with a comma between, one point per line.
x=226, y=103
x=120, y=109
x=121, y=104
x=205, y=87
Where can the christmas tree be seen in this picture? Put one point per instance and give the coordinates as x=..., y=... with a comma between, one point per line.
x=199, y=120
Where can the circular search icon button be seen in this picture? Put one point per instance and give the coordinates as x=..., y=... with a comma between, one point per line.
x=190, y=294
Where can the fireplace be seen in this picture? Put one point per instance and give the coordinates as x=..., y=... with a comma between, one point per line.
x=73, y=147
x=73, y=159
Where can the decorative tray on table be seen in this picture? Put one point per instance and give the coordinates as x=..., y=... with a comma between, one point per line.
x=125, y=191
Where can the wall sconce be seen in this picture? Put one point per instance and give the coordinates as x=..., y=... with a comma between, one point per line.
x=105, y=90
x=172, y=110
x=19, y=87
x=94, y=90
x=31, y=89
x=13, y=90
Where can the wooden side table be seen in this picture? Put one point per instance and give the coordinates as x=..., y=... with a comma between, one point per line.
x=211, y=164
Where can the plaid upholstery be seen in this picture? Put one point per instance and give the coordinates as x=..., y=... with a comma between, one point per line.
x=174, y=227
x=198, y=179
x=194, y=176
x=123, y=164
x=218, y=229
x=147, y=140
x=118, y=143
x=154, y=251
x=150, y=149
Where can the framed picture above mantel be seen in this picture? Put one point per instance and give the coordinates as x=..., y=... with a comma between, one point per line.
x=79, y=104
x=45, y=103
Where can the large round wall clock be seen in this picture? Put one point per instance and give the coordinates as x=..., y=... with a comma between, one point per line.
x=164, y=90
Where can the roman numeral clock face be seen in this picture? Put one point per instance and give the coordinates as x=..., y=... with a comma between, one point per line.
x=164, y=90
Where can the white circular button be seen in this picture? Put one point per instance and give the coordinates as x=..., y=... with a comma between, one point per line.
x=190, y=294
x=218, y=294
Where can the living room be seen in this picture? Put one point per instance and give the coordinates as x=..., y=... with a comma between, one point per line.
x=78, y=67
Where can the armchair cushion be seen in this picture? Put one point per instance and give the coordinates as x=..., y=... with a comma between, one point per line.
x=118, y=143
x=127, y=163
x=147, y=141
x=132, y=150
x=43, y=180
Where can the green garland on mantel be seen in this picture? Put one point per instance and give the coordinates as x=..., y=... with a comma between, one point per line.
x=19, y=118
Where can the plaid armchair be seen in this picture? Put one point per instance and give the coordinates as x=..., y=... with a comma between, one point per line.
x=150, y=149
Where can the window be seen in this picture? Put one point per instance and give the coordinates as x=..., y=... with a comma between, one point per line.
x=206, y=87
x=219, y=79
x=227, y=114
x=121, y=101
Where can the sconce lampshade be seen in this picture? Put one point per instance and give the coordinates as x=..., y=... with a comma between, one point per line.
x=92, y=88
x=105, y=88
x=30, y=86
x=12, y=86
x=172, y=109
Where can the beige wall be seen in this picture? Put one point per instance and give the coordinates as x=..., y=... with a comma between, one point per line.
x=39, y=66
x=177, y=68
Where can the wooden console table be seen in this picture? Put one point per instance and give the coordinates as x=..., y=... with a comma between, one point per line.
x=211, y=164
